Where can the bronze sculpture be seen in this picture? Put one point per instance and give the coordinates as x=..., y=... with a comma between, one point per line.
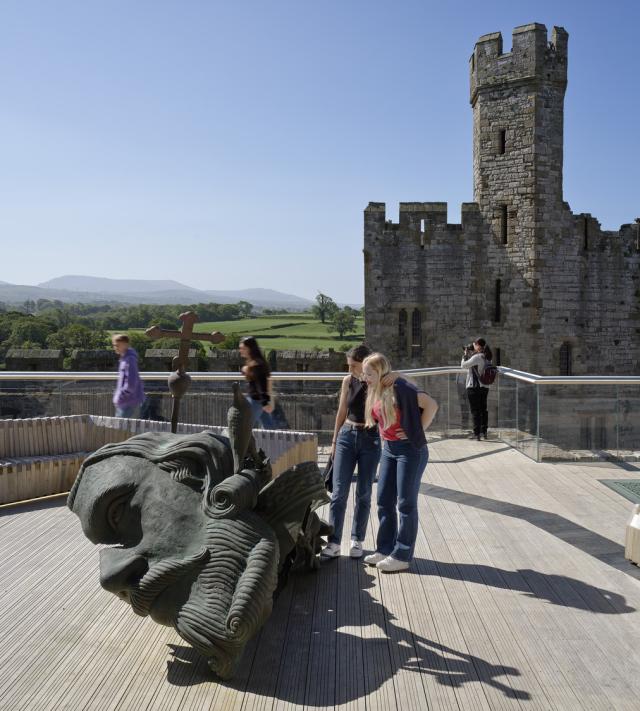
x=205, y=537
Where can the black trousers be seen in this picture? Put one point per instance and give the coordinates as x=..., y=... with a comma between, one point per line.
x=478, y=405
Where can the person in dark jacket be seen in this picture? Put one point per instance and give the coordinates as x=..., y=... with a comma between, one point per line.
x=477, y=392
x=129, y=394
x=402, y=413
x=257, y=372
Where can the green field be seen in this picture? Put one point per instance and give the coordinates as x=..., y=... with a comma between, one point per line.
x=287, y=332
x=298, y=331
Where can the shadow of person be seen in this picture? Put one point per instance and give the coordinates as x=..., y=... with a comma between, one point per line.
x=570, y=532
x=556, y=589
x=330, y=641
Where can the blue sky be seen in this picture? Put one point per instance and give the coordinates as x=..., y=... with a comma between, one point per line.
x=251, y=135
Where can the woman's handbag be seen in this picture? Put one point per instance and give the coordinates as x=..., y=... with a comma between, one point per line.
x=327, y=475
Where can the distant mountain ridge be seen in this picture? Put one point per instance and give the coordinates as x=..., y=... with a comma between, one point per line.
x=87, y=289
x=73, y=282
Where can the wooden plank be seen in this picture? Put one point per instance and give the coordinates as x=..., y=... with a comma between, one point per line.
x=538, y=674
x=576, y=643
x=493, y=588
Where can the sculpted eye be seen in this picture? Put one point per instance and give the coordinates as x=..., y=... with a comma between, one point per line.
x=117, y=509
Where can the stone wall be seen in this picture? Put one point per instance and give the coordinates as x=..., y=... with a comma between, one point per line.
x=94, y=360
x=550, y=289
x=34, y=359
x=313, y=361
x=281, y=361
x=156, y=359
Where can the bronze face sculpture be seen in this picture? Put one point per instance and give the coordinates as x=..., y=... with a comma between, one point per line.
x=200, y=544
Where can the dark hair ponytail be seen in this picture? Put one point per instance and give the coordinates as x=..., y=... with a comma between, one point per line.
x=488, y=354
x=254, y=351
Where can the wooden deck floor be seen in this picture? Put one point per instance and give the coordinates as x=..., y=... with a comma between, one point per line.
x=519, y=598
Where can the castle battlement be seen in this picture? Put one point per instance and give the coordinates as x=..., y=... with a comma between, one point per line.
x=420, y=215
x=550, y=289
x=532, y=58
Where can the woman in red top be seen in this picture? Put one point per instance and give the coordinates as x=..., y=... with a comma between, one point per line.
x=402, y=413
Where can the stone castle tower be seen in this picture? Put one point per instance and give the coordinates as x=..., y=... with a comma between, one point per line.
x=549, y=290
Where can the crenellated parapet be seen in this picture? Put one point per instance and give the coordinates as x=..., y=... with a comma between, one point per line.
x=592, y=238
x=532, y=58
x=550, y=289
x=419, y=216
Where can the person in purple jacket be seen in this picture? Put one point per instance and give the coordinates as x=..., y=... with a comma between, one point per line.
x=129, y=394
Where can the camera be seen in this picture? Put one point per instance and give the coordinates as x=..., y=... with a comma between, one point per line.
x=468, y=350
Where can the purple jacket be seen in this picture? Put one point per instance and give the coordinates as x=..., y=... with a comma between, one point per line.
x=129, y=391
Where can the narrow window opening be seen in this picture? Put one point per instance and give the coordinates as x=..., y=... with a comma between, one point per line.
x=423, y=231
x=473, y=62
x=565, y=359
x=402, y=332
x=504, y=224
x=497, y=357
x=497, y=312
x=502, y=142
x=416, y=333
x=585, y=234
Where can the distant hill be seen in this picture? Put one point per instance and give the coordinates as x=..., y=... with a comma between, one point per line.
x=86, y=289
x=263, y=296
x=103, y=285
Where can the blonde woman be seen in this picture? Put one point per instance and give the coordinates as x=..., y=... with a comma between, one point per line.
x=402, y=413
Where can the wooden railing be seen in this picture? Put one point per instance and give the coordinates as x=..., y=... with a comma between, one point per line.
x=41, y=456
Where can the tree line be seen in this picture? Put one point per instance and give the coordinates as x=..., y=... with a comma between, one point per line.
x=54, y=324
x=57, y=325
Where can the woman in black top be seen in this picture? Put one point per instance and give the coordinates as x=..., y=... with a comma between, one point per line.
x=353, y=443
x=256, y=371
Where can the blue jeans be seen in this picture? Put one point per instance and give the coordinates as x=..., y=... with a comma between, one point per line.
x=128, y=411
x=401, y=468
x=361, y=447
x=260, y=417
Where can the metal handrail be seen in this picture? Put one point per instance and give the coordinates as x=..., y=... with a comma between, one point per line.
x=569, y=379
x=531, y=378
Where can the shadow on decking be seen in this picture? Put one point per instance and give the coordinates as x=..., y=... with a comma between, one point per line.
x=556, y=589
x=368, y=637
x=589, y=542
x=477, y=455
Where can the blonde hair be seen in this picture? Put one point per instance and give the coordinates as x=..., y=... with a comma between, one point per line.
x=381, y=365
x=119, y=338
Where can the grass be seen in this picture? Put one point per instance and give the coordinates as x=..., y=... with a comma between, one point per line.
x=298, y=331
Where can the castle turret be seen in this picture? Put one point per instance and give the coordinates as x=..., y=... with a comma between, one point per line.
x=518, y=109
x=550, y=290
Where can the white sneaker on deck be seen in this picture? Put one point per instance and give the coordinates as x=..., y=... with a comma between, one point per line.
x=331, y=550
x=374, y=558
x=392, y=565
x=356, y=549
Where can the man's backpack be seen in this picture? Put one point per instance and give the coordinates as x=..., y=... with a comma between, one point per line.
x=488, y=374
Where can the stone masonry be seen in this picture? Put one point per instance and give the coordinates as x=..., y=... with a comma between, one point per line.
x=44, y=359
x=549, y=289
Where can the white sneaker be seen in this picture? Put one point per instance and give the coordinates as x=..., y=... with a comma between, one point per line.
x=392, y=565
x=331, y=550
x=356, y=549
x=374, y=558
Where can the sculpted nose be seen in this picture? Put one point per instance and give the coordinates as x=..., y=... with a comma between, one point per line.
x=120, y=569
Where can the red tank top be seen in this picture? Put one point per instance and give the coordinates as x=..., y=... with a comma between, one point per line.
x=393, y=430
